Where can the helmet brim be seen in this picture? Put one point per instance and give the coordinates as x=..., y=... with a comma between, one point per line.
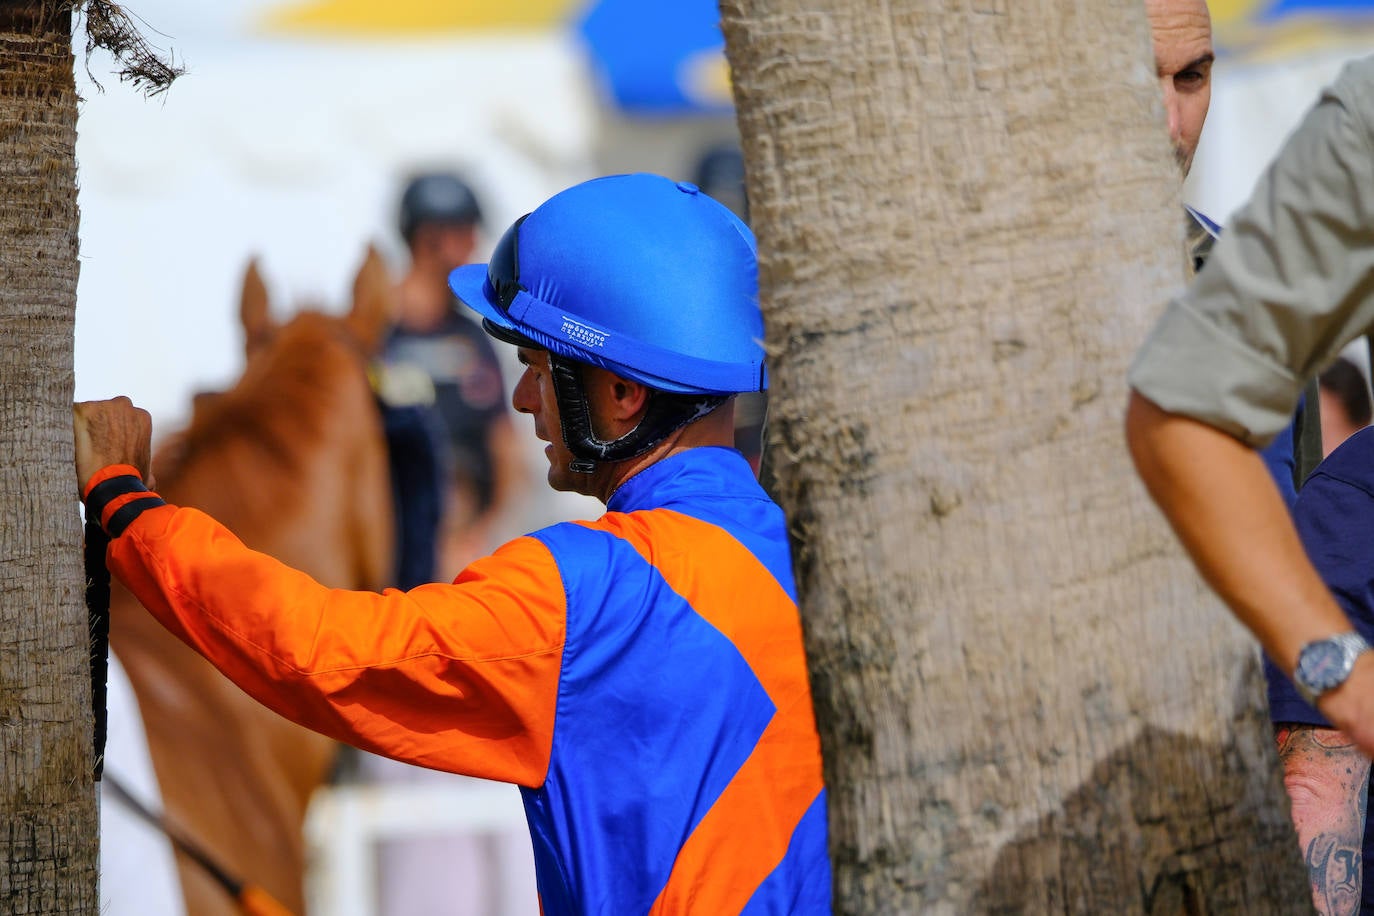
x=469, y=284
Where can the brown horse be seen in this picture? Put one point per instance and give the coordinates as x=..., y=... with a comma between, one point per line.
x=293, y=460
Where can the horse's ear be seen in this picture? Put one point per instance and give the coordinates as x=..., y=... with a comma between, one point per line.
x=255, y=313
x=373, y=301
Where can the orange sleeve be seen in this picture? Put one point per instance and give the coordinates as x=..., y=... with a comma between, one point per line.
x=460, y=677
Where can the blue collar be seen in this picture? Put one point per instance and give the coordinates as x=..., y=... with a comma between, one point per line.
x=712, y=472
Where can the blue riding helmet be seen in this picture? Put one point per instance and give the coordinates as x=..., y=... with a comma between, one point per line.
x=643, y=276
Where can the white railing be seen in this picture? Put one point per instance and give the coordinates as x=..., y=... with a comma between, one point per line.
x=348, y=823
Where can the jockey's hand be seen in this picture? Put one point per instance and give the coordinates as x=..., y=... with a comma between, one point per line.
x=111, y=432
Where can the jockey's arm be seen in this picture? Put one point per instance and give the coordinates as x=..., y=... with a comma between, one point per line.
x=461, y=677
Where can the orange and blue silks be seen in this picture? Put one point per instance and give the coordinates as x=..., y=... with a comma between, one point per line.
x=641, y=677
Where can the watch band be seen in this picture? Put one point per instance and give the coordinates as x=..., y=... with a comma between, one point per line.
x=1350, y=645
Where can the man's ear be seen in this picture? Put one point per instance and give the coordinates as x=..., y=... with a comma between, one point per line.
x=627, y=397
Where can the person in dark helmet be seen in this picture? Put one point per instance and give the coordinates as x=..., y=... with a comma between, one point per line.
x=436, y=357
x=719, y=172
x=641, y=677
x=456, y=470
x=437, y=201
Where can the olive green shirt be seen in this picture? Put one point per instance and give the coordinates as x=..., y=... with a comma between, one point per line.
x=1288, y=284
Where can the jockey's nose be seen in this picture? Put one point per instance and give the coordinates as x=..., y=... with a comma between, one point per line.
x=525, y=397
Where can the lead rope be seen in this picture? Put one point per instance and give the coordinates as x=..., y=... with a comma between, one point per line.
x=251, y=899
x=98, y=620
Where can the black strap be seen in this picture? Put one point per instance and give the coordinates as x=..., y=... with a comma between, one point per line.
x=98, y=619
x=664, y=414
x=1307, y=438
x=97, y=541
x=105, y=492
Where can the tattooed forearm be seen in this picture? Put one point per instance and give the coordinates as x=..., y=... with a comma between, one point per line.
x=1326, y=779
x=1333, y=867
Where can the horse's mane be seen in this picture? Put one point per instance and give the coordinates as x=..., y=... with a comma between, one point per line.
x=294, y=390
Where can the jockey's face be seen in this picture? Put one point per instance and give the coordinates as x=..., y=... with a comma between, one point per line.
x=616, y=405
x=534, y=394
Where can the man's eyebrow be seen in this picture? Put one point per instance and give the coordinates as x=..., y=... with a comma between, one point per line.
x=1207, y=58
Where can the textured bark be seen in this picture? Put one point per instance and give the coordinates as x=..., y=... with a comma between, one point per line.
x=48, y=819
x=968, y=215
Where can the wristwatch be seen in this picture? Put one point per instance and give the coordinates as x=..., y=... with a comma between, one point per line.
x=1325, y=664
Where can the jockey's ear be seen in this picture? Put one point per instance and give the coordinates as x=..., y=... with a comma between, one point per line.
x=373, y=296
x=255, y=313
x=626, y=398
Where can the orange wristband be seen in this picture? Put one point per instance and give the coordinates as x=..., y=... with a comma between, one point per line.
x=115, y=496
x=107, y=472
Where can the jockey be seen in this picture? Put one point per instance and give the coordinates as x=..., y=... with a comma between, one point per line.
x=640, y=677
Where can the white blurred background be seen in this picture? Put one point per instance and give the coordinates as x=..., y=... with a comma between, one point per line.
x=291, y=135
x=291, y=142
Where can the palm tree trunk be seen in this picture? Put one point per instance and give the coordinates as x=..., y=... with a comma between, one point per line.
x=49, y=837
x=968, y=216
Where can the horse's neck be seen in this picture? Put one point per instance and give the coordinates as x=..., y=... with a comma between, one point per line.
x=287, y=460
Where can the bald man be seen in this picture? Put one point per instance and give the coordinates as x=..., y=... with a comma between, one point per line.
x=1182, y=32
x=1325, y=774
x=1286, y=288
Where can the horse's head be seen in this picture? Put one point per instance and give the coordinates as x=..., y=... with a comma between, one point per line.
x=306, y=385
x=364, y=324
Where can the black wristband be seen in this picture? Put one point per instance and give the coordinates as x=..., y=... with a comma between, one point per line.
x=107, y=491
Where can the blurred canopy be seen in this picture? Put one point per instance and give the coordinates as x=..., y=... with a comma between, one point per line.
x=666, y=57
x=1270, y=28
x=415, y=17
x=659, y=58
x=649, y=57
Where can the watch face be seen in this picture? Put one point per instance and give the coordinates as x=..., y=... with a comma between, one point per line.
x=1322, y=665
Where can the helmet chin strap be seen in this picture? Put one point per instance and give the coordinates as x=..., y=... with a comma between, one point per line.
x=664, y=414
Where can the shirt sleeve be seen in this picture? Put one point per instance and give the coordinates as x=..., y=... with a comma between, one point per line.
x=460, y=677
x=1287, y=285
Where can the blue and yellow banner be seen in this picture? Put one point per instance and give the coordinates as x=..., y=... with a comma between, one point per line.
x=1272, y=28
x=414, y=18
x=659, y=58
x=649, y=57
